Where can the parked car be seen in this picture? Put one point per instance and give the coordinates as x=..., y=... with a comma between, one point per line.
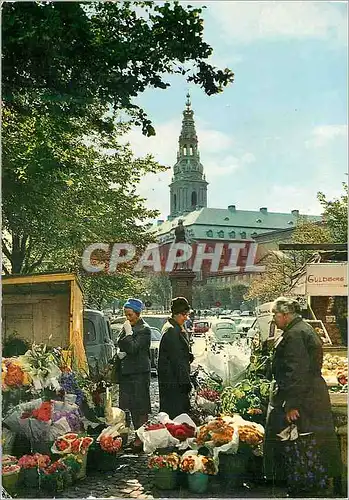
x=200, y=328
x=222, y=331
x=246, y=324
x=98, y=339
x=154, y=349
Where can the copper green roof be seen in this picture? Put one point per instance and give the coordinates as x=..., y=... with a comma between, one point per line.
x=222, y=223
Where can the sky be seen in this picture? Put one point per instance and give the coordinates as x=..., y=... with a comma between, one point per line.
x=278, y=134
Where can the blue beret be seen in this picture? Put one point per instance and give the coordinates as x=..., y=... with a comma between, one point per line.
x=134, y=304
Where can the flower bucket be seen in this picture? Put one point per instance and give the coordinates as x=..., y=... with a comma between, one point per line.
x=232, y=469
x=10, y=482
x=82, y=472
x=165, y=479
x=182, y=479
x=8, y=441
x=107, y=461
x=197, y=482
x=29, y=477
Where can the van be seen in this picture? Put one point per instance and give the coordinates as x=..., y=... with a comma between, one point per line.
x=98, y=341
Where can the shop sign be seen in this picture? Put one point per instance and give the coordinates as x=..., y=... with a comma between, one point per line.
x=327, y=279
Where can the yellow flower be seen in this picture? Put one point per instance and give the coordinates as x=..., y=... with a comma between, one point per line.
x=26, y=379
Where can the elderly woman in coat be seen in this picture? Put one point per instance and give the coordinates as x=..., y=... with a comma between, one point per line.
x=134, y=377
x=307, y=452
x=174, y=362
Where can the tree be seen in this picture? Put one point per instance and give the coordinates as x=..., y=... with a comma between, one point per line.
x=280, y=266
x=61, y=194
x=336, y=215
x=158, y=290
x=63, y=57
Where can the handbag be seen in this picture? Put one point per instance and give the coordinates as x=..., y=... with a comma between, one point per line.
x=114, y=371
x=305, y=470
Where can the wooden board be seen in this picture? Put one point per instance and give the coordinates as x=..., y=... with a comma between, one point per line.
x=339, y=398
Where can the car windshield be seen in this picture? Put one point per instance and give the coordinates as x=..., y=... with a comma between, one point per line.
x=247, y=322
x=155, y=335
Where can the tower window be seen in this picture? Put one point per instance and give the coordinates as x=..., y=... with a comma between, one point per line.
x=221, y=234
x=232, y=234
x=194, y=199
x=175, y=201
x=209, y=233
x=191, y=151
x=243, y=234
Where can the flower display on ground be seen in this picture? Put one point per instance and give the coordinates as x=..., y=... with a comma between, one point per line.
x=170, y=461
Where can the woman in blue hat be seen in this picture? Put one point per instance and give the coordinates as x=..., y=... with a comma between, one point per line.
x=134, y=355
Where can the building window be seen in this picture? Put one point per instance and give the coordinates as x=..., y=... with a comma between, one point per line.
x=258, y=220
x=221, y=234
x=232, y=234
x=226, y=218
x=175, y=202
x=254, y=234
x=191, y=151
x=290, y=222
x=209, y=233
x=243, y=234
x=194, y=199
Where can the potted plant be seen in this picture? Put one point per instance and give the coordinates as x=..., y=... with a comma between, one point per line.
x=165, y=469
x=199, y=468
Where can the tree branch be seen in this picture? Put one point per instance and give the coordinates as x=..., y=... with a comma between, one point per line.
x=36, y=264
x=6, y=251
x=4, y=268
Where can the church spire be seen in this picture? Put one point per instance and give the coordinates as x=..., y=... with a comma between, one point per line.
x=189, y=186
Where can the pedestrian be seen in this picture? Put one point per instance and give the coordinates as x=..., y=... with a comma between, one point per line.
x=300, y=445
x=134, y=354
x=175, y=357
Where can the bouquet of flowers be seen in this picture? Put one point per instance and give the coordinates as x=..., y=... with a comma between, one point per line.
x=71, y=443
x=216, y=433
x=55, y=477
x=209, y=394
x=31, y=467
x=13, y=374
x=36, y=461
x=8, y=470
x=41, y=365
x=170, y=461
x=181, y=431
x=192, y=462
x=111, y=444
x=8, y=460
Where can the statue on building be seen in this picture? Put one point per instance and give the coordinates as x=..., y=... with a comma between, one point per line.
x=180, y=233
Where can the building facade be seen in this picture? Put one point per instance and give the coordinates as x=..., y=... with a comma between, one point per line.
x=209, y=226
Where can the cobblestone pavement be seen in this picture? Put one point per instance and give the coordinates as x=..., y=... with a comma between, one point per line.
x=132, y=479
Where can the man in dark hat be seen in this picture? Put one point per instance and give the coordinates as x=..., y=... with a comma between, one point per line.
x=175, y=357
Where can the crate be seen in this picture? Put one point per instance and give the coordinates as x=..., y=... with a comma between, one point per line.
x=339, y=399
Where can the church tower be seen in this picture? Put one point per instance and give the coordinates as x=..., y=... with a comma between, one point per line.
x=188, y=189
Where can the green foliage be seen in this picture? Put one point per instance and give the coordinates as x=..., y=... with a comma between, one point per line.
x=336, y=215
x=158, y=290
x=230, y=296
x=280, y=266
x=71, y=72
x=61, y=57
